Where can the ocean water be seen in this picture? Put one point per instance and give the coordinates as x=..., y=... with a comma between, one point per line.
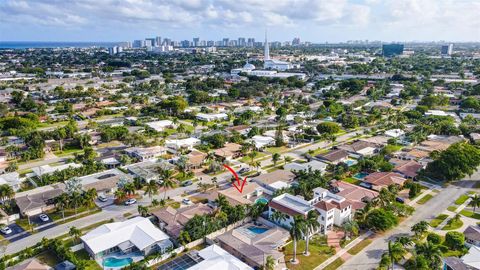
x=52, y=44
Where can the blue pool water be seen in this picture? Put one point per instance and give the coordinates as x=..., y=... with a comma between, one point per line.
x=360, y=175
x=261, y=200
x=350, y=162
x=115, y=262
x=257, y=230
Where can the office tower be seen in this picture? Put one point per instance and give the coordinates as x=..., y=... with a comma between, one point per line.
x=185, y=43
x=158, y=41
x=149, y=42
x=210, y=43
x=390, y=50
x=242, y=42
x=296, y=41
x=138, y=43
x=167, y=41
x=447, y=49
x=196, y=41
x=251, y=42
x=219, y=43
x=125, y=44
x=202, y=43
x=225, y=42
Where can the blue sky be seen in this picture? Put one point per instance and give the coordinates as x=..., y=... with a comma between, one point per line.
x=312, y=20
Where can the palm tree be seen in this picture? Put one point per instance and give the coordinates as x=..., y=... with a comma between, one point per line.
x=270, y=263
x=296, y=231
x=142, y=210
x=256, y=210
x=215, y=181
x=76, y=199
x=431, y=252
x=222, y=201
x=62, y=203
x=129, y=188
x=120, y=195
x=151, y=189
x=256, y=164
x=475, y=202
x=395, y=252
x=311, y=226
x=167, y=181
x=350, y=227
x=420, y=228
x=287, y=159
x=279, y=217
x=89, y=197
x=74, y=233
x=275, y=158
x=405, y=241
x=252, y=155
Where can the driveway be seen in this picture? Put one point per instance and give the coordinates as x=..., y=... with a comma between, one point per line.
x=17, y=233
x=370, y=256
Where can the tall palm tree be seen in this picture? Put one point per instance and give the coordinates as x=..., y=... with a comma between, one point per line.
x=62, y=203
x=431, y=252
x=311, y=226
x=395, y=252
x=350, y=227
x=296, y=232
x=129, y=188
x=151, y=189
x=142, y=210
x=167, y=181
x=89, y=197
x=475, y=202
x=222, y=201
x=120, y=195
x=76, y=199
x=275, y=158
x=75, y=233
x=279, y=217
x=420, y=228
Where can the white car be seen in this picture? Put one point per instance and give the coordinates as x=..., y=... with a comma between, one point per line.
x=6, y=230
x=102, y=198
x=130, y=201
x=44, y=217
x=187, y=201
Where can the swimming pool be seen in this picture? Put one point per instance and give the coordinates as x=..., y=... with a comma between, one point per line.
x=350, y=162
x=360, y=175
x=261, y=200
x=257, y=230
x=116, y=262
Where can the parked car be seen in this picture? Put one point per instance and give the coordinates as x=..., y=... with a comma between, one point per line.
x=186, y=201
x=102, y=198
x=400, y=200
x=44, y=217
x=130, y=201
x=6, y=230
x=187, y=183
x=243, y=170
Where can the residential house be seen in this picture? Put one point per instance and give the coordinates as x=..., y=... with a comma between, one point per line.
x=274, y=181
x=407, y=168
x=394, y=133
x=134, y=236
x=251, y=192
x=261, y=142
x=195, y=159
x=360, y=148
x=104, y=182
x=148, y=170
x=161, y=125
x=181, y=144
x=38, y=200
x=242, y=129
x=11, y=179
x=314, y=165
x=356, y=195
x=30, y=264
x=253, y=243
x=146, y=153
x=211, y=117
x=229, y=151
x=379, y=180
x=47, y=169
x=472, y=236
x=469, y=261
x=334, y=156
x=173, y=220
x=214, y=258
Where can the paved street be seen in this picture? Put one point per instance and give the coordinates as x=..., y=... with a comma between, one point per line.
x=370, y=256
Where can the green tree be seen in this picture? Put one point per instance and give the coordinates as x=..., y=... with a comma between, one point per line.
x=475, y=202
x=75, y=233
x=454, y=240
x=420, y=228
x=275, y=158
x=297, y=229
x=151, y=189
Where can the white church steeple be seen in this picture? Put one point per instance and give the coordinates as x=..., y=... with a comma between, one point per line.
x=266, y=53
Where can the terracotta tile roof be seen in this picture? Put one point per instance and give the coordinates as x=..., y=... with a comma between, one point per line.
x=409, y=168
x=325, y=206
x=385, y=179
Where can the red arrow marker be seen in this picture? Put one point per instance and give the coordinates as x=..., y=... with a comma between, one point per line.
x=238, y=186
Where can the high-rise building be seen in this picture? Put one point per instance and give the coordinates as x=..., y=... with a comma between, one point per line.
x=185, y=43
x=125, y=44
x=149, y=42
x=196, y=42
x=251, y=42
x=167, y=42
x=242, y=42
x=296, y=41
x=390, y=50
x=210, y=43
x=138, y=43
x=266, y=49
x=158, y=41
x=225, y=42
x=447, y=49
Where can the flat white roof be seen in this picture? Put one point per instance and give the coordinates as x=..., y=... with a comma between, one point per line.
x=216, y=258
x=159, y=125
x=139, y=231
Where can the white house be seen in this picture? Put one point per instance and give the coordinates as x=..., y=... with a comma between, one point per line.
x=216, y=258
x=146, y=153
x=394, y=133
x=262, y=141
x=314, y=165
x=211, y=116
x=12, y=179
x=188, y=144
x=160, y=125
x=134, y=235
x=47, y=169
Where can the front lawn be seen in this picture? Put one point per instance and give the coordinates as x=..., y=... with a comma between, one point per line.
x=335, y=264
x=437, y=220
x=358, y=247
x=319, y=252
x=425, y=199
x=453, y=225
x=91, y=264
x=452, y=208
x=246, y=159
x=470, y=214
x=274, y=150
x=352, y=180
x=461, y=199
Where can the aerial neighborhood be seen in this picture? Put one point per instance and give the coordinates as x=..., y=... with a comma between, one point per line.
x=240, y=155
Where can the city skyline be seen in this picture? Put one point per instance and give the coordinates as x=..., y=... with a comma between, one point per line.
x=314, y=21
